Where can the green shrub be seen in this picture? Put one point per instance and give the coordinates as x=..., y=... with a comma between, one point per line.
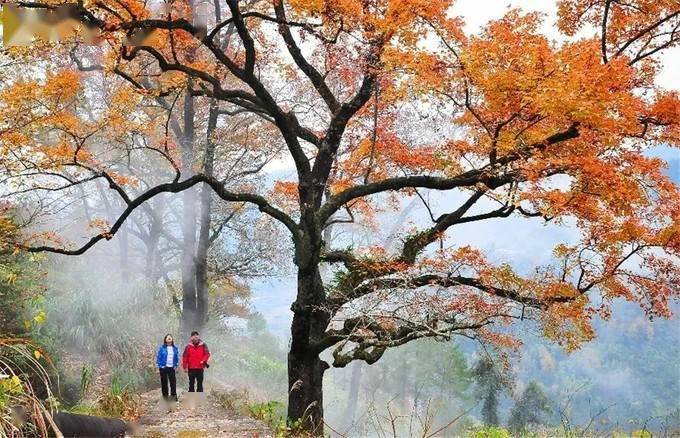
x=491, y=432
x=273, y=413
x=118, y=401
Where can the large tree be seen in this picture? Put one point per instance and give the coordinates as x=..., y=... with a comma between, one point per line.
x=379, y=99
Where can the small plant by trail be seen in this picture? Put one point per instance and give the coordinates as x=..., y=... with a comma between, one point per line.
x=118, y=401
x=86, y=377
x=273, y=413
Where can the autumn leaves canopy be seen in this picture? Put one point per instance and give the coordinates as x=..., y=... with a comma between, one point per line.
x=373, y=100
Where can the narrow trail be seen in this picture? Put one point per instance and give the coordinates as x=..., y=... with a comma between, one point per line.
x=205, y=420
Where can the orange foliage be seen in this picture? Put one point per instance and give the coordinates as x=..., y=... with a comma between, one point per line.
x=557, y=130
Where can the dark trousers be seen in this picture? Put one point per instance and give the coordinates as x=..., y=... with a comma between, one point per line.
x=168, y=376
x=196, y=376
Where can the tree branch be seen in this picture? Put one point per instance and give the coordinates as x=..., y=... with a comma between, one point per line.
x=312, y=73
x=176, y=187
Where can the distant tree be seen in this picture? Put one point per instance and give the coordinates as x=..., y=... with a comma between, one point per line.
x=490, y=383
x=257, y=325
x=530, y=408
x=443, y=375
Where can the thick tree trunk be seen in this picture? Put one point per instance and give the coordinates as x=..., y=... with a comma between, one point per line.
x=189, y=308
x=190, y=318
x=305, y=400
x=205, y=220
x=201, y=261
x=305, y=369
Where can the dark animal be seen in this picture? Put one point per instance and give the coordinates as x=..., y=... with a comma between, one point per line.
x=76, y=425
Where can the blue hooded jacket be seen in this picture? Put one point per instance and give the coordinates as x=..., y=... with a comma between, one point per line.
x=162, y=356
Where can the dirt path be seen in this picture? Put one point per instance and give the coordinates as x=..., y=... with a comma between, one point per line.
x=207, y=419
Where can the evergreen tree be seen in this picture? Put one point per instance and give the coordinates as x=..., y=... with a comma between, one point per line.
x=530, y=408
x=490, y=383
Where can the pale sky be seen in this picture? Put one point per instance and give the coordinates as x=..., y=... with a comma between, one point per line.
x=478, y=12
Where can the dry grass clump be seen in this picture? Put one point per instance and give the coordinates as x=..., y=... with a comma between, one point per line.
x=22, y=413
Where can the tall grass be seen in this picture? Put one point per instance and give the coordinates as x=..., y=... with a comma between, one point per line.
x=22, y=413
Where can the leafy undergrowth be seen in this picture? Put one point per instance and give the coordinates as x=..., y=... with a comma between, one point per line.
x=490, y=432
x=274, y=414
x=116, y=401
x=119, y=402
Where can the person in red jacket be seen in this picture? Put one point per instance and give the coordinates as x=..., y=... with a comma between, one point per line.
x=194, y=360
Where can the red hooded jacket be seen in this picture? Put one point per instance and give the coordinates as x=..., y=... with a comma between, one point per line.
x=195, y=356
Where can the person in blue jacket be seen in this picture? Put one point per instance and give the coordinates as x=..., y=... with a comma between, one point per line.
x=167, y=359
